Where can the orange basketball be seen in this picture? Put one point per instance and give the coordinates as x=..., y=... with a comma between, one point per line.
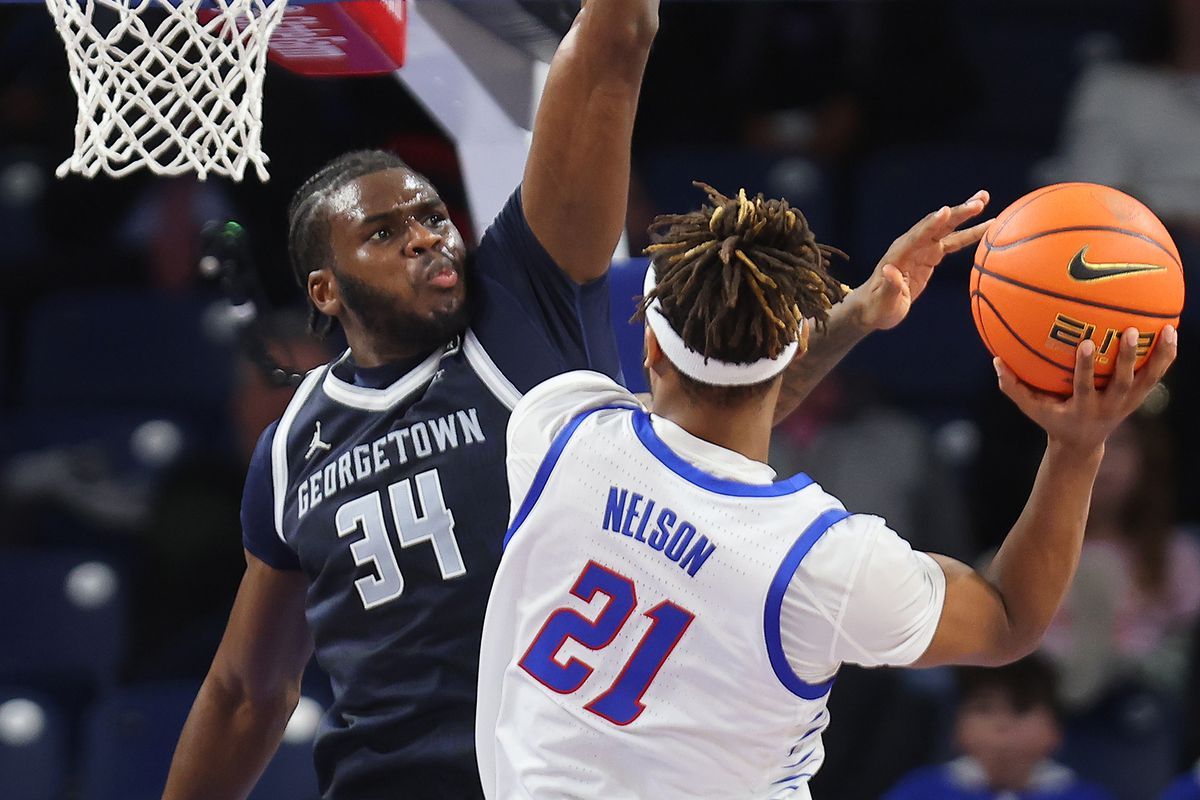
x=1069, y=262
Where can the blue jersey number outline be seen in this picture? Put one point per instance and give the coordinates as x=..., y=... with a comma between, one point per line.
x=621, y=703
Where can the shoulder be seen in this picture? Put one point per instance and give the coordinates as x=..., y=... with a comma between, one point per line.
x=509, y=242
x=1119, y=78
x=304, y=392
x=1185, y=787
x=829, y=550
x=885, y=596
x=549, y=406
x=887, y=582
x=1184, y=545
x=839, y=551
x=923, y=783
x=1183, y=570
x=258, y=493
x=259, y=470
x=1054, y=780
x=1081, y=790
x=260, y=534
x=532, y=317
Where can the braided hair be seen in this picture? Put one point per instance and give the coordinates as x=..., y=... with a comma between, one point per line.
x=309, y=248
x=737, y=277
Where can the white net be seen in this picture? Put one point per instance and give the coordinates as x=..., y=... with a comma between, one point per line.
x=171, y=85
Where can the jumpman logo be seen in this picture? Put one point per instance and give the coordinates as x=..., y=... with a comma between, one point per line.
x=316, y=443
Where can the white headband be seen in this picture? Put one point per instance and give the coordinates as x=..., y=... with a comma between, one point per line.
x=702, y=368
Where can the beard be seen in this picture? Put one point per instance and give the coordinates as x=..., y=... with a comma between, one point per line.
x=391, y=323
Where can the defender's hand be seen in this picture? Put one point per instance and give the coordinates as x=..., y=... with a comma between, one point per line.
x=1086, y=418
x=903, y=273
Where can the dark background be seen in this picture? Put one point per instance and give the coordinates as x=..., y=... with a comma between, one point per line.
x=867, y=115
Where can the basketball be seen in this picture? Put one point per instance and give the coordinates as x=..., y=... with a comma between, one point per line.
x=1070, y=262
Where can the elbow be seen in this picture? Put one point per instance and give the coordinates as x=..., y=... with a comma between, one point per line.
x=264, y=700
x=1010, y=653
x=638, y=27
x=1013, y=647
x=629, y=38
x=644, y=29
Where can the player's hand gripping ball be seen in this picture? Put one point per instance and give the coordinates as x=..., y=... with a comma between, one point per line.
x=1070, y=262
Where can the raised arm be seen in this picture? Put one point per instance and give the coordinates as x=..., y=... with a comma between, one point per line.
x=576, y=183
x=251, y=690
x=1001, y=616
x=883, y=301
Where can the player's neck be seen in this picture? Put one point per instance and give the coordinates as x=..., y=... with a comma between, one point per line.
x=368, y=352
x=744, y=429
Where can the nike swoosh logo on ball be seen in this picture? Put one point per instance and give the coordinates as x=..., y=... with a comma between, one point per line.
x=1082, y=270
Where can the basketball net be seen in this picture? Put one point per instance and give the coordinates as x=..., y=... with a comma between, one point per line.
x=182, y=95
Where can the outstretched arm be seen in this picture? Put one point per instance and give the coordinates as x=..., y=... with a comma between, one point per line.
x=576, y=184
x=250, y=692
x=883, y=301
x=1001, y=616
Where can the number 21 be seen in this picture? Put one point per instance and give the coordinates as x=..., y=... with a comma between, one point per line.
x=620, y=703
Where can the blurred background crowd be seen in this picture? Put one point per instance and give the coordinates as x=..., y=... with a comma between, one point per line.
x=128, y=411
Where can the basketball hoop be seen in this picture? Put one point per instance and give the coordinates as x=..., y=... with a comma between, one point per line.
x=176, y=86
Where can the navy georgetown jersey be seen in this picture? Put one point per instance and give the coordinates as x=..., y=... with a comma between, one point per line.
x=387, y=488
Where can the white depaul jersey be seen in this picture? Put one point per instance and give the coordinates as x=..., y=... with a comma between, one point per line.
x=633, y=645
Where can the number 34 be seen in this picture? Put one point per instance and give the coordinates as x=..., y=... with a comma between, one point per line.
x=620, y=703
x=435, y=524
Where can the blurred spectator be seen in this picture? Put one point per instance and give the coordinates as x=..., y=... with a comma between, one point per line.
x=1007, y=729
x=883, y=719
x=192, y=562
x=1136, y=125
x=162, y=229
x=1136, y=595
x=1191, y=704
x=1122, y=636
x=859, y=62
x=1185, y=787
x=837, y=436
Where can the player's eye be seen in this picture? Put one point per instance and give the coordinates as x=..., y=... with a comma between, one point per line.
x=435, y=219
x=380, y=234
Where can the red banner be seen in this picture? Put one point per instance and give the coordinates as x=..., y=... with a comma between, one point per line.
x=354, y=37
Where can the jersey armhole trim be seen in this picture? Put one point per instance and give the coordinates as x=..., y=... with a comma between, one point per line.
x=549, y=461
x=488, y=372
x=774, y=606
x=279, y=467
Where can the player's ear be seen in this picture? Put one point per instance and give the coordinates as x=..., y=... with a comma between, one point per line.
x=653, y=352
x=806, y=327
x=323, y=291
x=656, y=362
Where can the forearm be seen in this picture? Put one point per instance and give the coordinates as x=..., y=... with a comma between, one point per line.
x=576, y=186
x=1034, y=567
x=826, y=349
x=226, y=743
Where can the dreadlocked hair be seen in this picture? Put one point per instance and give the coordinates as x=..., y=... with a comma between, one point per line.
x=308, y=224
x=736, y=277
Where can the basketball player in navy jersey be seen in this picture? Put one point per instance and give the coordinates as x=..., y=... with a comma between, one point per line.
x=374, y=509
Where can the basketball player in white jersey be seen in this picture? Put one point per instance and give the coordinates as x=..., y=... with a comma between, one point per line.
x=668, y=618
